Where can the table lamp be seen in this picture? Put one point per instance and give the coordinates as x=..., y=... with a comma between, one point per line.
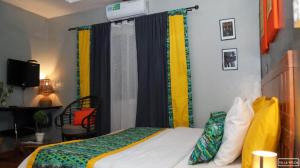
x=45, y=89
x=264, y=159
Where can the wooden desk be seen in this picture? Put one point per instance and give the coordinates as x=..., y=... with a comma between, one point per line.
x=20, y=112
x=24, y=109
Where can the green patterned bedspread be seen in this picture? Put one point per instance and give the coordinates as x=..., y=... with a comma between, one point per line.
x=77, y=154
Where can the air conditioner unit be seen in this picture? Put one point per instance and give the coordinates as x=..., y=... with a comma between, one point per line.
x=127, y=9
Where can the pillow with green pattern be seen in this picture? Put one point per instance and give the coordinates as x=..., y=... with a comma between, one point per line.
x=209, y=143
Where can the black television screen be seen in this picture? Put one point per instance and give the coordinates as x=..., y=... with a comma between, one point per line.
x=23, y=74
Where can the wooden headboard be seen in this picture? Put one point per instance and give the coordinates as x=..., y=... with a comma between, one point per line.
x=280, y=83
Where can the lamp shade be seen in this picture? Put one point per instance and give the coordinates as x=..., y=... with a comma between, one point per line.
x=46, y=87
x=264, y=159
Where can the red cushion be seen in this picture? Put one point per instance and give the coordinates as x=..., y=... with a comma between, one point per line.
x=81, y=114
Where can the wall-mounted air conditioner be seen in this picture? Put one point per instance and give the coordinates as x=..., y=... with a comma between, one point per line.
x=127, y=9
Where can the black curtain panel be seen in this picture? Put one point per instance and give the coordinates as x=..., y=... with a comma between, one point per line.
x=100, y=74
x=151, y=36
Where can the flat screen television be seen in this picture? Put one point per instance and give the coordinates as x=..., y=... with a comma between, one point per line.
x=23, y=74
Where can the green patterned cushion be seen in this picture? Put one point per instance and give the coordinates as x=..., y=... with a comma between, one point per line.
x=208, y=144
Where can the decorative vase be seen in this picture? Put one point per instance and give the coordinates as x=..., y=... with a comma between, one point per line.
x=39, y=136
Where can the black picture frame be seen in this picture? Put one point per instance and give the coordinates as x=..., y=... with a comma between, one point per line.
x=227, y=29
x=230, y=59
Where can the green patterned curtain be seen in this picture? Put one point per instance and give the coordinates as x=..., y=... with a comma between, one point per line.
x=83, y=61
x=179, y=71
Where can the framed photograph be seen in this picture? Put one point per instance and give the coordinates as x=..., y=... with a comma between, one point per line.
x=230, y=59
x=227, y=27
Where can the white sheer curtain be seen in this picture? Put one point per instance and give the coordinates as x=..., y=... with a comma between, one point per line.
x=124, y=77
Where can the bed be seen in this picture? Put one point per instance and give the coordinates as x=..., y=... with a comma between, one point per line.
x=171, y=148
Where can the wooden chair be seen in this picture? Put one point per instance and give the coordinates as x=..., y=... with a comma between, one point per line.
x=87, y=127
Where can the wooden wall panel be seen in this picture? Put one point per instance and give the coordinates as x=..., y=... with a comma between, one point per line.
x=297, y=105
x=280, y=83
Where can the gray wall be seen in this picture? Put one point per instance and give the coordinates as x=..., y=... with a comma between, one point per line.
x=213, y=89
x=288, y=38
x=23, y=36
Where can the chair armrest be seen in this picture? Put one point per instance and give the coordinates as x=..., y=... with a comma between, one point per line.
x=88, y=120
x=59, y=118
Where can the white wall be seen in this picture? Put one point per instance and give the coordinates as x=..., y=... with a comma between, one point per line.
x=62, y=49
x=23, y=36
x=213, y=89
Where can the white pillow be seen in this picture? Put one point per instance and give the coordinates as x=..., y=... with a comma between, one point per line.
x=237, y=122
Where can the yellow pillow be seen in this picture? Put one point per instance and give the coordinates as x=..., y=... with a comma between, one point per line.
x=264, y=131
x=258, y=103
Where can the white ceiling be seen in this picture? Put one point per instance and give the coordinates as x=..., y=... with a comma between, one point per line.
x=55, y=8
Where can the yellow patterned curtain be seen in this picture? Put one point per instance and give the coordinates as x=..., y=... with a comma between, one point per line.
x=84, y=62
x=179, y=80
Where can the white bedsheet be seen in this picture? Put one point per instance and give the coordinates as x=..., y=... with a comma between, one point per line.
x=171, y=148
x=183, y=164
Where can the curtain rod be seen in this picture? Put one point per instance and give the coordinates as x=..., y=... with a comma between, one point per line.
x=196, y=7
